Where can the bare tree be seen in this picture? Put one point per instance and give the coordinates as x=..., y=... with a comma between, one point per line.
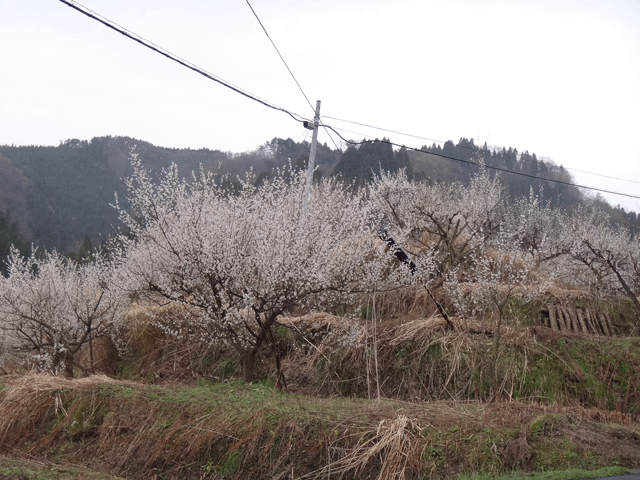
x=51, y=306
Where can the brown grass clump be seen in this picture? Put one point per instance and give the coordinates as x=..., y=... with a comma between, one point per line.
x=163, y=342
x=31, y=401
x=416, y=360
x=101, y=356
x=422, y=331
x=423, y=359
x=390, y=445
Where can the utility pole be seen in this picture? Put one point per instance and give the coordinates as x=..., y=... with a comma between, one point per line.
x=312, y=157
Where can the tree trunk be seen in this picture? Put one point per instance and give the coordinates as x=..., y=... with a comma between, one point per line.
x=93, y=371
x=630, y=293
x=570, y=314
x=574, y=318
x=590, y=325
x=68, y=364
x=248, y=365
x=599, y=327
x=605, y=325
x=609, y=323
x=281, y=382
x=497, y=388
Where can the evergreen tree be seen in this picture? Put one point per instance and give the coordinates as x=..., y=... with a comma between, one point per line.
x=509, y=159
x=403, y=161
x=368, y=159
x=10, y=236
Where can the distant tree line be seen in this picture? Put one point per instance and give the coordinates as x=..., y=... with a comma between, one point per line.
x=524, y=165
x=67, y=203
x=72, y=186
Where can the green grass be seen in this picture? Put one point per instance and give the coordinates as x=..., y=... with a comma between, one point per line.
x=570, y=474
x=33, y=470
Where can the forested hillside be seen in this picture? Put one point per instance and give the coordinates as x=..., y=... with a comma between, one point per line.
x=59, y=197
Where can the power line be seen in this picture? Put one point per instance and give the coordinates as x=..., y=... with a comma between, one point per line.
x=280, y=55
x=363, y=135
x=152, y=46
x=334, y=142
x=303, y=138
x=327, y=129
x=604, y=176
x=491, y=167
x=462, y=146
x=382, y=129
x=137, y=38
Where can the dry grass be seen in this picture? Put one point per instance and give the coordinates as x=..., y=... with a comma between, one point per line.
x=423, y=359
x=442, y=399
x=249, y=431
x=431, y=417
x=389, y=445
x=420, y=359
x=162, y=342
x=32, y=469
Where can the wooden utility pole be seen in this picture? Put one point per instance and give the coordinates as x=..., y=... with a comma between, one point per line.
x=312, y=156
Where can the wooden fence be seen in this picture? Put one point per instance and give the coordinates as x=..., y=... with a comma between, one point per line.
x=571, y=319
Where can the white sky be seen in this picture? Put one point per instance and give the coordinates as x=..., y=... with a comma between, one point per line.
x=556, y=77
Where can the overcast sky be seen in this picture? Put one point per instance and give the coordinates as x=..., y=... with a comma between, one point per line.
x=558, y=78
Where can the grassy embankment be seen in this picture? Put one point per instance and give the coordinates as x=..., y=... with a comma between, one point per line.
x=235, y=430
x=454, y=403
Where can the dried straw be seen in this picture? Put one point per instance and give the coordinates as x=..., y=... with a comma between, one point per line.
x=390, y=444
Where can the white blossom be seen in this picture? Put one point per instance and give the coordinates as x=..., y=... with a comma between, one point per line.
x=446, y=222
x=51, y=306
x=244, y=258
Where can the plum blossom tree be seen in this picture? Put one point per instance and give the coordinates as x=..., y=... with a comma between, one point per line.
x=537, y=229
x=445, y=221
x=485, y=252
x=610, y=254
x=244, y=258
x=51, y=306
x=494, y=282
